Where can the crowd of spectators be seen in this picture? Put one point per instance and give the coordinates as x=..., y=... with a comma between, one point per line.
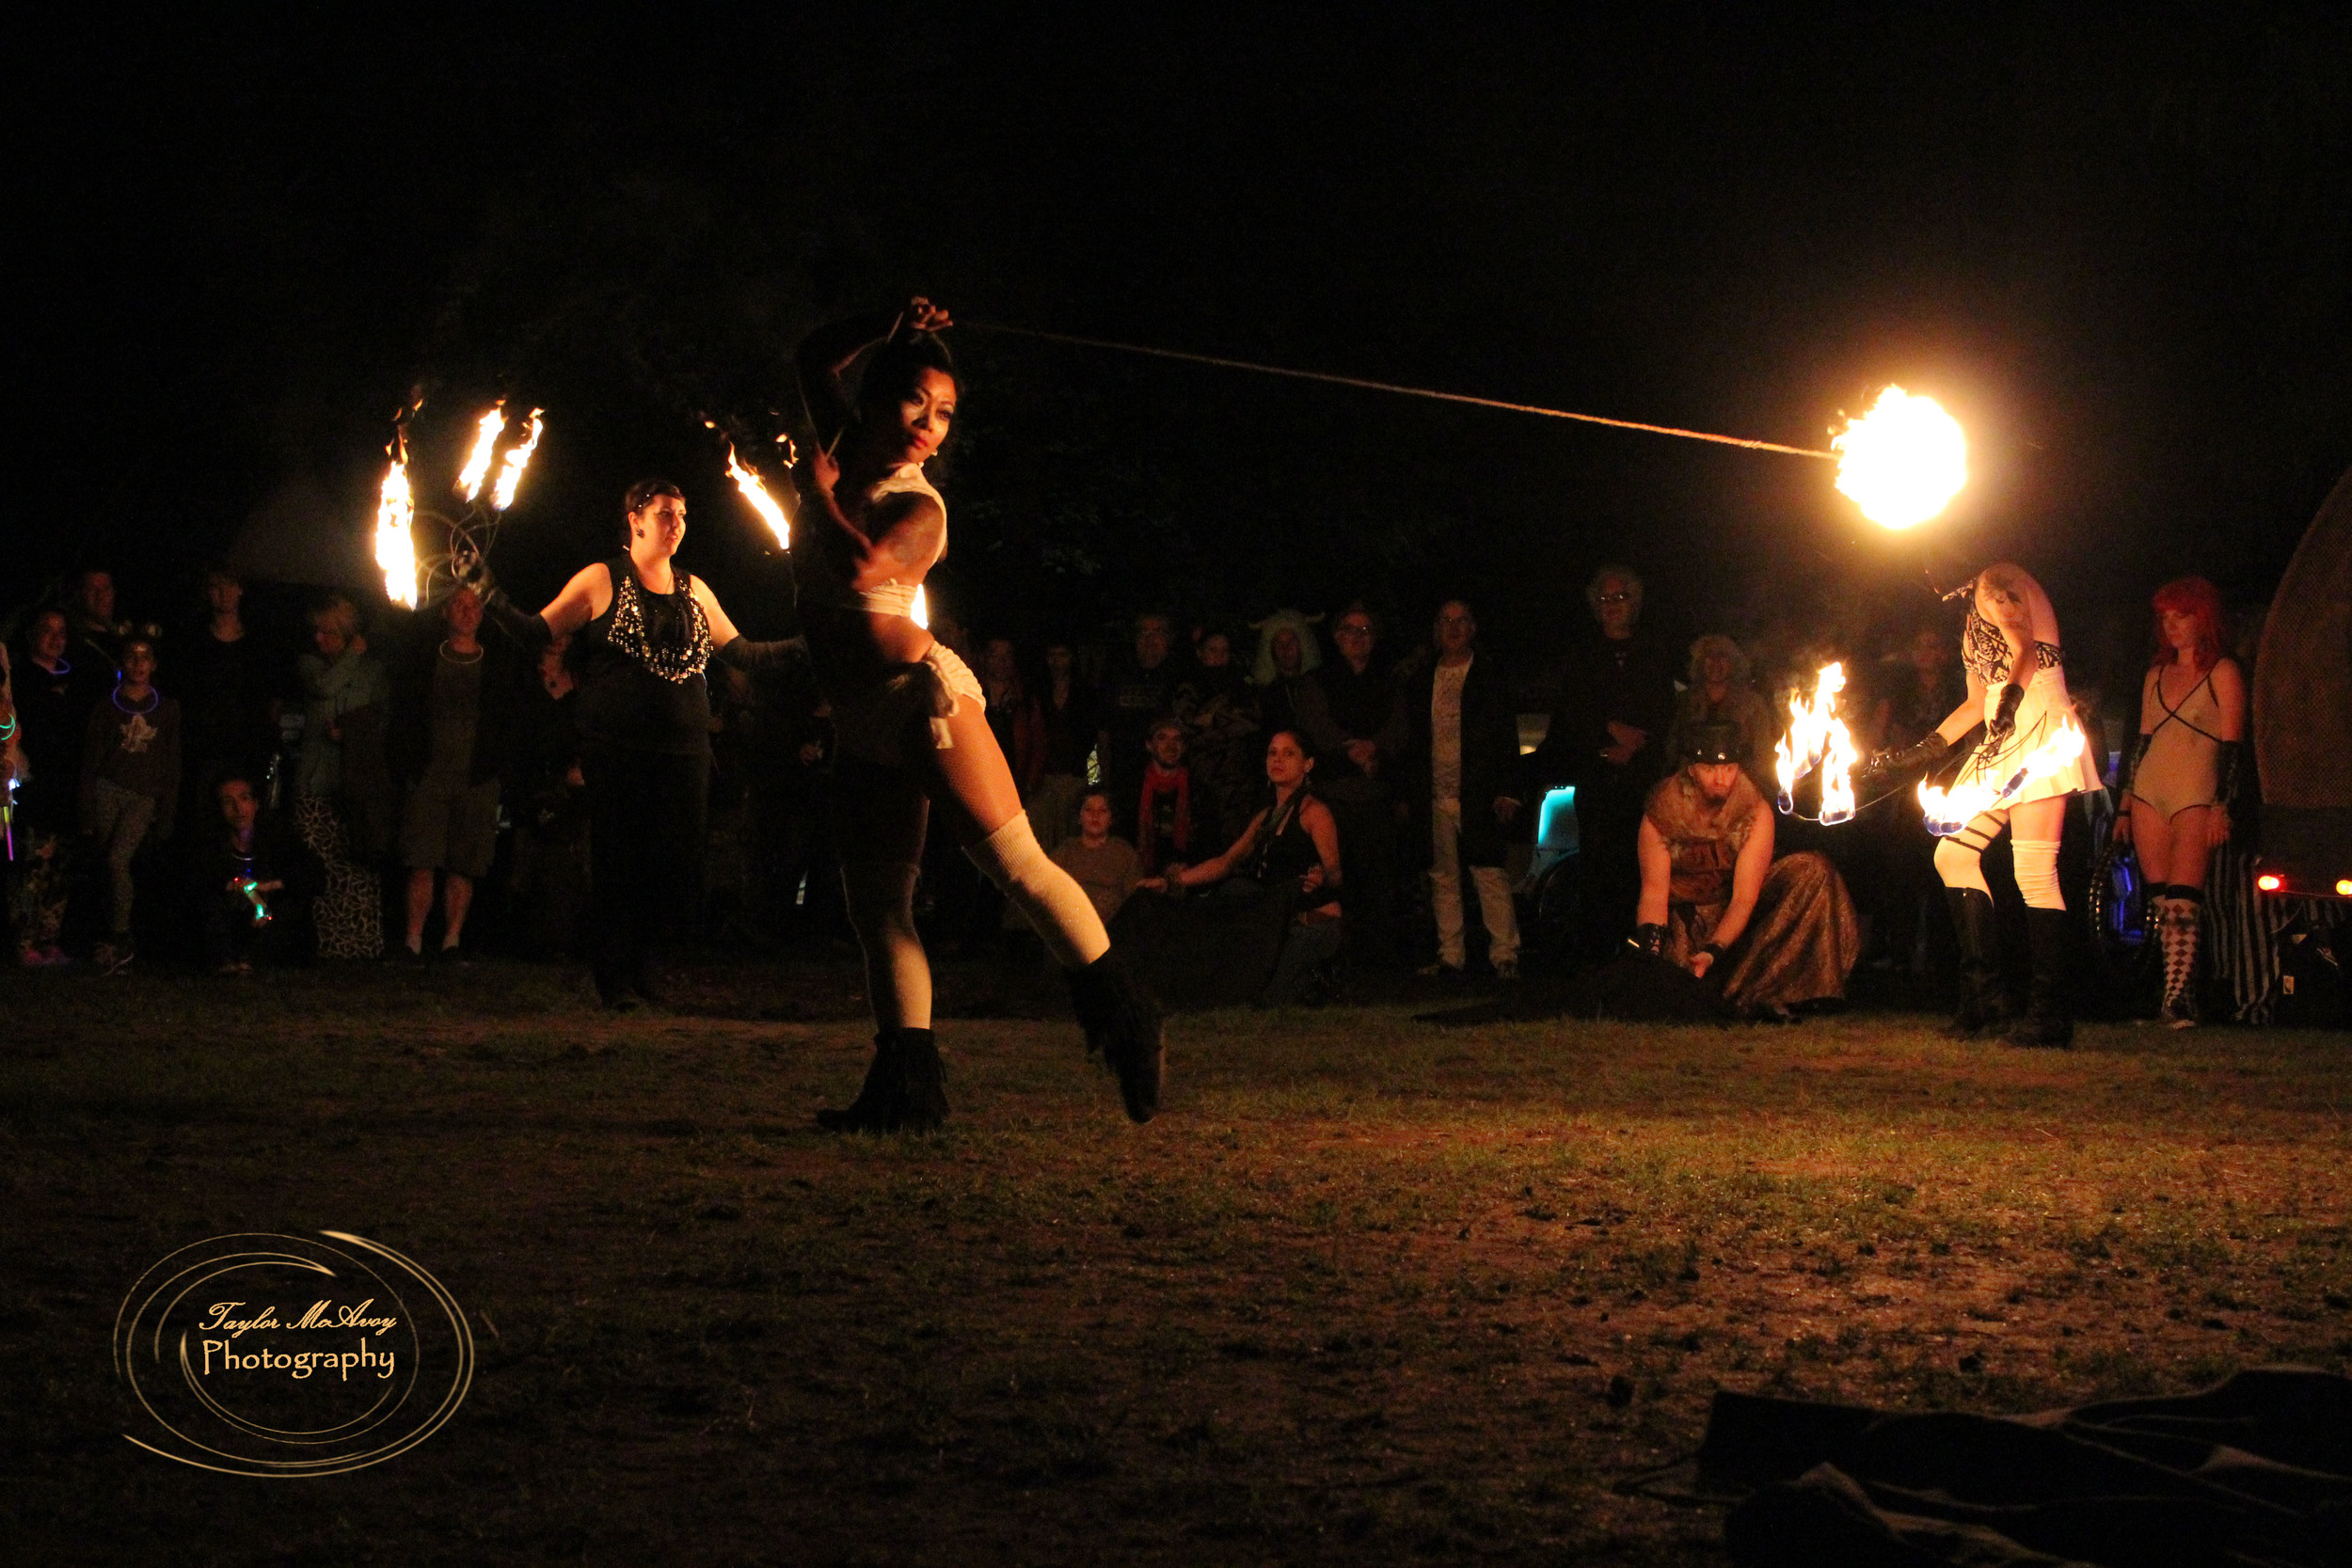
x=408, y=786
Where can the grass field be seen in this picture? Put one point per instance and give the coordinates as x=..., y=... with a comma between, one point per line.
x=1368, y=1291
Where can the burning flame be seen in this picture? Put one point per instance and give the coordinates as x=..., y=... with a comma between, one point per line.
x=1948, y=812
x=1903, y=460
x=920, y=612
x=1818, y=737
x=771, y=511
x=395, y=549
x=517, y=459
x=477, y=468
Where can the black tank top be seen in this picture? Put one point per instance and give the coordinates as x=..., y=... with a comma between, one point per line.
x=641, y=669
x=1286, y=851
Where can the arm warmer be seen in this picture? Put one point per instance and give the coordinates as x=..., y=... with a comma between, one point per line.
x=530, y=632
x=1921, y=753
x=2003, y=721
x=781, y=653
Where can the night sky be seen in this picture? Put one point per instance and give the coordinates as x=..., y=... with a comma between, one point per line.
x=2121, y=258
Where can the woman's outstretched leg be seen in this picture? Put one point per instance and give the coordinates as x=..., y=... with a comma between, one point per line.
x=975, y=787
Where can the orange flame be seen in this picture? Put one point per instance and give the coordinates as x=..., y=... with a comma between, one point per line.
x=1949, y=811
x=491, y=425
x=517, y=459
x=395, y=546
x=771, y=511
x=1818, y=737
x=920, y=611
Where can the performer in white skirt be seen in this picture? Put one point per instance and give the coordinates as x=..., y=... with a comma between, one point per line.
x=2017, y=690
x=911, y=721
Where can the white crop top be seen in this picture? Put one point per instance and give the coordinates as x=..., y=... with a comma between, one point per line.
x=897, y=598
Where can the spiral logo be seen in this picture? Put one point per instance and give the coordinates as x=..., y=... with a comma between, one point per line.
x=281, y=1355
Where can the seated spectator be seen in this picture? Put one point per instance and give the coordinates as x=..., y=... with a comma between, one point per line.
x=1771, y=935
x=1106, y=867
x=253, y=883
x=1285, y=867
x=1167, y=826
x=53, y=701
x=1720, y=690
x=456, y=720
x=130, y=784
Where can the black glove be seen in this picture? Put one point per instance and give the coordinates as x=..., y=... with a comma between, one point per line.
x=530, y=632
x=1921, y=754
x=781, y=653
x=2004, y=720
x=1648, y=938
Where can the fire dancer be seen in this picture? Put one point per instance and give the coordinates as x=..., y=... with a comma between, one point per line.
x=912, y=722
x=2017, y=689
x=1774, y=934
x=645, y=632
x=2181, y=774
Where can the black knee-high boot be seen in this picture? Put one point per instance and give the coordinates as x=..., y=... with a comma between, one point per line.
x=1979, y=963
x=2049, y=1019
x=1123, y=1022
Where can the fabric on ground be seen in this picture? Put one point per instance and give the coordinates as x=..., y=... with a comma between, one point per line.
x=2256, y=1470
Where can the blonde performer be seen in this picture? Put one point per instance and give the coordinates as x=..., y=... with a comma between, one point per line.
x=2017, y=690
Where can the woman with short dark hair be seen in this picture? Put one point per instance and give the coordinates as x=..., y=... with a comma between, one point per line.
x=642, y=633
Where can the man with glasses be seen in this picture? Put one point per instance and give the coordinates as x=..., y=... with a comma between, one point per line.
x=1607, y=737
x=1354, y=715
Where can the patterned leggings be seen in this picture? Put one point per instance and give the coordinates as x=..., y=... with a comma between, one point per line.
x=350, y=913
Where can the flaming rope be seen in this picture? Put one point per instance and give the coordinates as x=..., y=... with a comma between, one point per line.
x=1901, y=462
x=756, y=491
x=1818, y=737
x=1949, y=811
x=395, y=519
x=517, y=459
x=487, y=430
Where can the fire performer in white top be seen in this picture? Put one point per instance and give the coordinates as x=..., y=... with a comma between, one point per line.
x=911, y=721
x=2017, y=689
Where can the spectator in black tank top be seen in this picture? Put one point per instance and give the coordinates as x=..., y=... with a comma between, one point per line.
x=643, y=633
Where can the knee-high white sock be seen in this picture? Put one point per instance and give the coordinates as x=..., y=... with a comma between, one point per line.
x=1960, y=863
x=2037, y=872
x=881, y=910
x=1056, y=906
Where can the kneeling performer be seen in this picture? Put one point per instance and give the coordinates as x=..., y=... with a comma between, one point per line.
x=1773, y=934
x=912, y=722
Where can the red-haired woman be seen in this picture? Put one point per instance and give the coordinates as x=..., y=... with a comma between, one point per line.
x=2181, y=774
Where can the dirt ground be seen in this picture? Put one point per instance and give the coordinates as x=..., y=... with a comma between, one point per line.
x=1368, y=1291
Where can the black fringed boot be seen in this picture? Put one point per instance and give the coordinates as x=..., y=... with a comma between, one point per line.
x=1126, y=1024
x=2049, y=1021
x=1979, y=967
x=922, y=1082
x=876, y=1107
